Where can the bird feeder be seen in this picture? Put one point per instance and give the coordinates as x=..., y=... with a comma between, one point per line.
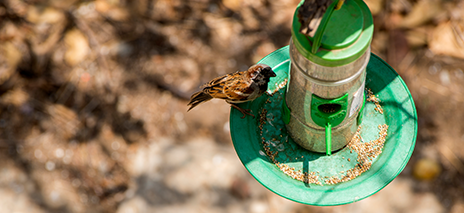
x=337, y=124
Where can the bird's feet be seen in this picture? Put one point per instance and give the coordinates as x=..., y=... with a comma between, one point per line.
x=243, y=111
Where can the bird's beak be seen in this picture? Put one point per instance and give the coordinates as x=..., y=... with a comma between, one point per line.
x=266, y=70
x=271, y=73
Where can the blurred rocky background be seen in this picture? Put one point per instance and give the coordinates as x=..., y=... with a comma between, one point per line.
x=93, y=101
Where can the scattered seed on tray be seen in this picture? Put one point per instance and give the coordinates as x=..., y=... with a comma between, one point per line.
x=367, y=151
x=372, y=98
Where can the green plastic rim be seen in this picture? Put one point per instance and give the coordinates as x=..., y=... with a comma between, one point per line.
x=399, y=114
x=346, y=37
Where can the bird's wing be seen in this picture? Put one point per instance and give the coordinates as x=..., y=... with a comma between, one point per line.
x=215, y=87
x=239, y=89
x=234, y=87
x=216, y=81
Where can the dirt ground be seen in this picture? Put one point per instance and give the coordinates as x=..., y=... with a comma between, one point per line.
x=93, y=95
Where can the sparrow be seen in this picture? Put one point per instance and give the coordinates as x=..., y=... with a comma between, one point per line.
x=234, y=88
x=310, y=14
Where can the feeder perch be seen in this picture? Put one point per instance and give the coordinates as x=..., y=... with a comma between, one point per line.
x=315, y=139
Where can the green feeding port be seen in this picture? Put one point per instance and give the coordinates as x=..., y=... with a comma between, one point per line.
x=331, y=111
x=316, y=105
x=328, y=113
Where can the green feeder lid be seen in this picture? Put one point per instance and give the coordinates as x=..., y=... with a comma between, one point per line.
x=342, y=36
x=251, y=136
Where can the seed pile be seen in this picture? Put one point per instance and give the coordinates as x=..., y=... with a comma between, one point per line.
x=278, y=87
x=274, y=139
x=367, y=152
x=305, y=177
x=278, y=144
x=372, y=98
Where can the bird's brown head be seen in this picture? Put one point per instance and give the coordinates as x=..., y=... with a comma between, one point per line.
x=261, y=71
x=261, y=74
x=268, y=72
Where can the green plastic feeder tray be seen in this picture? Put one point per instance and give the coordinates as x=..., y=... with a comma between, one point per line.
x=399, y=114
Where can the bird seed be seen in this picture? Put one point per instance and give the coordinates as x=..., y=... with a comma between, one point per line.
x=271, y=126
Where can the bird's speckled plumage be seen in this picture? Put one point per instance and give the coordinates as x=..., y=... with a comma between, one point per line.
x=236, y=87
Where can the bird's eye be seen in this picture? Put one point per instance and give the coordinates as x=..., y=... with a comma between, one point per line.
x=254, y=74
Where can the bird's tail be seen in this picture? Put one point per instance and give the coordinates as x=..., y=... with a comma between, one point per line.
x=198, y=98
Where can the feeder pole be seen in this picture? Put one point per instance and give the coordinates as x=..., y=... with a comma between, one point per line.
x=328, y=139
